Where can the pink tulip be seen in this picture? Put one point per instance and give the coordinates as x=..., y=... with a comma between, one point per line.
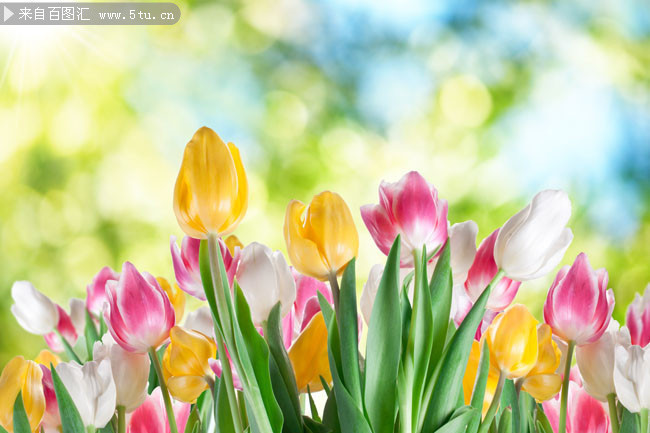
x=151, y=417
x=96, y=290
x=637, y=319
x=139, y=314
x=186, y=264
x=579, y=306
x=51, y=417
x=585, y=414
x=412, y=209
x=70, y=326
x=483, y=271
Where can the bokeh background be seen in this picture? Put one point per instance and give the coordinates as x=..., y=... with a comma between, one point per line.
x=490, y=100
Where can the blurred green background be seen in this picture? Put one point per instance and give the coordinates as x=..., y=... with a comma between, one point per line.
x=490, y=100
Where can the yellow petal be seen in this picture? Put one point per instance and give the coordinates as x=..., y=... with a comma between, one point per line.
x=176, y=297
x=45, y=357
x=233, y=242
x=188, y=353
x=543, y=386
x=240, y=202
x=308, y=355
x=548, y=354
x=303, y=252
x=33, y=395
x=187, y=388
x=471, y=372
x=512, y=339
x=21, y=375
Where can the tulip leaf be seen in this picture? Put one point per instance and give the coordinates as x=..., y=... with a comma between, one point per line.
x=206, y=279
x=222, y=413
x=331, y=415
x=283, y=378
x=349, y=329
x=153, y=376
x=383, y=347
x=70, y=418
x=459, y=420
x=205, y=405
x=505, y=422
x=441, y=294
x=312, y=406
x=325, y=307
x=543, y=424
x=406, y=313
x=629, y=422
x=20, y=419
x=509, y=399
x=90, y=332
x=2, y=430
x=193, y=421
x=478, y=394
x=452, y=366
x=312, y=426
x=326, y=386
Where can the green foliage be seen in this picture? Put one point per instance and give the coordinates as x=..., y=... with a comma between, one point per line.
x=70, y=419
x=20, y=422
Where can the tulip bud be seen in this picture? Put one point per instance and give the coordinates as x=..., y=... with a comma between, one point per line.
x=185, y=363
x=176, y=297
x=92, y=390
x=96, y=290
x=321, y=238
x=481, y=273
x=533, y=241
x=211, y=192
x=151, y=416
x=637, y=318
x=308, y=356
x=34, y=311
x=585, y=414
x=130, y=372
x=471, y=373
x=596, y=362
x=542, y=382
x=20, y=375
x=579, y=306
x=410, y=208
x=631, y=378
x=265, y=280
x=512, y=339
x=140, y=315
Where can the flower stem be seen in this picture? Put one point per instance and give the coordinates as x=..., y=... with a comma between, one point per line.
x=121, y=419
x=163, y=388
x=613, y=413
x=336, y=291
x=565, y=386
x=492, y=410
x=644, y=420
x=226, y=374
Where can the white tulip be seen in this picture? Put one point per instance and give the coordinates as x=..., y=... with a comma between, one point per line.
x=596, y=363
x=34, y=311
x=533, y=241
x=92, y=390
x=200, y=320
x=78, y=314
x=370, y=292
x=462, y=241
x=130, y=372
x=632, y=376
x=265, y=279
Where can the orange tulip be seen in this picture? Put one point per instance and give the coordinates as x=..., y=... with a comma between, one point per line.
x=21, y=375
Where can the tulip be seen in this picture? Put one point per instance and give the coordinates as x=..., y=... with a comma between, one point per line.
x=586, y=414
x=150, y=416
x=481, y=273
x=596, y=362
x=321, y=238
x=542, y=382
x=96, y=290
x=410, y=208
x=185, y=363
x=533, y=241
x=211, y=192
x=34, y=311
x=186, y=263
x=92, y=390
x=51, y=417
x=637, y=318
x=631, y=378
x=140, y=315
x=462, y=241
x=130, y=372
x=176, y=297
x=579, y=306
x=69, y=326
x=265, y=280
x=308, y=355
x=471, y=373
x=47, y=358
x=305, y=307
x=200, y=320
x=20, y=375
x=369, y=292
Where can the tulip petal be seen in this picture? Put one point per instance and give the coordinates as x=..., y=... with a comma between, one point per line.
x=309, y=357
x=303, y=252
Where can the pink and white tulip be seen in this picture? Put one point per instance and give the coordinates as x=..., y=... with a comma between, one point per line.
x=410, y=208
x=151, y=417
x=139, y=314
x=34, y=311
x=637, y=318
x=579, y=306
x=483, y=270
x=533, y=241
x=96, y=290
x=305, y=307
x=186, y=264
x=70, y=326
x=585, y=414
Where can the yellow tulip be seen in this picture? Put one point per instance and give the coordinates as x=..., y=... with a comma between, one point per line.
x=233, y=242
x=542, y=382
x=21, y=375
x=185, y=363
x=176, y=297
x=512, y=339
x=308, y=356
x=471, y=372
x=211, y=193
x=321, y=238
x=45, y=357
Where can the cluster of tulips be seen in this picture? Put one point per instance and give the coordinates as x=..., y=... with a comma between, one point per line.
x=446, y=350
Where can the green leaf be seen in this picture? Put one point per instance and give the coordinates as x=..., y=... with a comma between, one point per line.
x=331, y=415
x=505, y=422
x=194, y=420
x=153, y=376
x=630, y=422
x=441, y=294
x=205, y=405
x=312, y=406
x=20, y=419
x=90, y=332
x=509, y=399
x=383, y=347
x=526, y=409
x=478, y=394
x=542, y=423
x=222, y=413
x=314, y=426
x=406, y=313
x=108, y=428
x=70, y=419
x=283, y=378
x=453, y=363
x=206, y=279
x=459, y=420
x=326, y=386
x=349, y=329
x=2, y=430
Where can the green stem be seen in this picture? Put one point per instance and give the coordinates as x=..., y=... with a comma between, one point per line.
x=69, y=350
x=613, y=412
x=336, y=291
x=644, y=420
x=163, y=388
x=565, y=386
x=91, y=429
x=121, y=419
x=492, y=410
